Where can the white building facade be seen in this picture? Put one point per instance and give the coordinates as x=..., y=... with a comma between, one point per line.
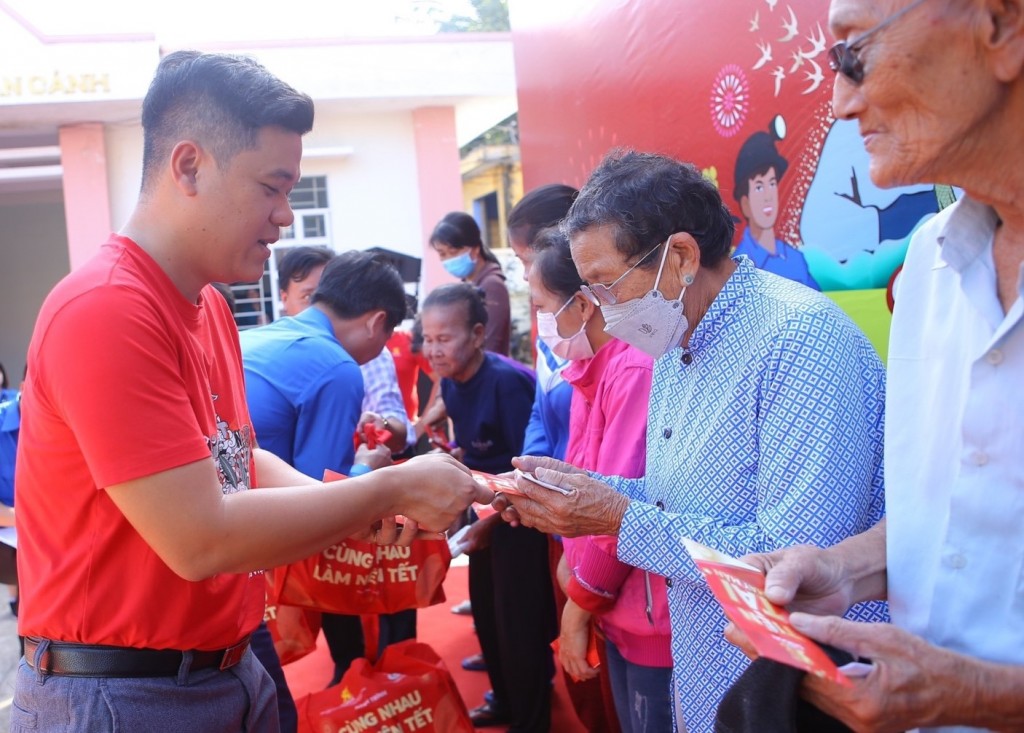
x=380, y=167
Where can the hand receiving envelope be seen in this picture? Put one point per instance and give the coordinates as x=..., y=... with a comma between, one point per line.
x=739, y=588
x=506, y=484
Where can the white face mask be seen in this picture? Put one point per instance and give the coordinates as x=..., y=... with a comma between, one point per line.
x=651, y=323
x=575, y=347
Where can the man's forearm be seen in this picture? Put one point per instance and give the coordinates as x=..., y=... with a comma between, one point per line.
x=276, y=526
x=273, y=471
x=200, y=531
x=977, y=693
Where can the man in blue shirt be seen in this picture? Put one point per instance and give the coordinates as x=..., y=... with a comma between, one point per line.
x=305, y=388
x=302, y=376
x=10, y=424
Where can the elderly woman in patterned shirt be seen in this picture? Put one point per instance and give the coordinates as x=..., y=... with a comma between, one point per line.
x=765, y=414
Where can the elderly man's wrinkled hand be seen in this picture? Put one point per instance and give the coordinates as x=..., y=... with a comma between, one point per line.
x=912, y=683
x=589, y=507
x=805, y=578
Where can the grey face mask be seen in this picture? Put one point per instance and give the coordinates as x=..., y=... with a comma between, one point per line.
x=650, y=323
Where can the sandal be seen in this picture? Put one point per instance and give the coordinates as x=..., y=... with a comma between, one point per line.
x=488, y=715
x=474, y=663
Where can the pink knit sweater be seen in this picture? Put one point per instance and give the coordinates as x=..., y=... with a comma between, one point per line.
x=607, y=433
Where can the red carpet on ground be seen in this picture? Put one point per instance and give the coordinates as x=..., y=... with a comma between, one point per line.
x=452, y=637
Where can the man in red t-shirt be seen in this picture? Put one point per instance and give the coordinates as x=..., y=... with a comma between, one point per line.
x=142, y=545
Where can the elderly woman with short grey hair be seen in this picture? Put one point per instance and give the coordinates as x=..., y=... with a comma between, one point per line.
x=765, y=413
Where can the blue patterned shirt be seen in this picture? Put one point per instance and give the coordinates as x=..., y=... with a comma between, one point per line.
x=765, y=432
x=382, y=395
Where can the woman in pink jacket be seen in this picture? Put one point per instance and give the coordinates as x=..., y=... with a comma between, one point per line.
x=607, y=433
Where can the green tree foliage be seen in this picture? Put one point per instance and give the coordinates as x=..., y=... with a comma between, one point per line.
x=491, y=15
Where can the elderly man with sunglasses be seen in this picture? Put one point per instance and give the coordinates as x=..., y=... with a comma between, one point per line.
x=938, y=90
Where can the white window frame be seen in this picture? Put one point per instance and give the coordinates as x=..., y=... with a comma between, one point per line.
x=293, y=236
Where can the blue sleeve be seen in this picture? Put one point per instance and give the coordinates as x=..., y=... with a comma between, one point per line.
x=819, y=472
x=536, y=442
x=633, y=488
x=328, y=413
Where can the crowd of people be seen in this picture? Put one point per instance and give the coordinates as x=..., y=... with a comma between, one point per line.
x=678, y=392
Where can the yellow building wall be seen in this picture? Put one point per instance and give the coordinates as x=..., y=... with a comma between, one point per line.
x=505, y=180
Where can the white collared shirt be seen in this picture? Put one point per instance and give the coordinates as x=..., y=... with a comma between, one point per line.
x=954, y=451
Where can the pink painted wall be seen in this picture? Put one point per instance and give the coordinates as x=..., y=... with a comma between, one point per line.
x=439, y=179
x=83, y=155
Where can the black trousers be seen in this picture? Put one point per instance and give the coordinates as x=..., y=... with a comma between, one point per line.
x=514, y=613
x=344, y=637
x=396, y=627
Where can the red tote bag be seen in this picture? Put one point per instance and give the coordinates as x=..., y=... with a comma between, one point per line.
x=294, y=630
x=408, y=689
x=355, y=577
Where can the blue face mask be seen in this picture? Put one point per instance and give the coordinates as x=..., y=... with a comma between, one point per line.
x=460, y=266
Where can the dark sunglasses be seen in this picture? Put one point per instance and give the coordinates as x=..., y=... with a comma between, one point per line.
x=844, y=58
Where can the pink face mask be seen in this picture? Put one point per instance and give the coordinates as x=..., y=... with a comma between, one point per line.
x=575, y=347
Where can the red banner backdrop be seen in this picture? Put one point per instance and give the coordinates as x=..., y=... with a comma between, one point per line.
x=698, y=80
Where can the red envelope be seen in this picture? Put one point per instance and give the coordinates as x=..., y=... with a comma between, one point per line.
x=504, y=484
x=740, y=590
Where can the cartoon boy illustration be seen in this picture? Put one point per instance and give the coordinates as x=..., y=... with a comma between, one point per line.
x=759, y=168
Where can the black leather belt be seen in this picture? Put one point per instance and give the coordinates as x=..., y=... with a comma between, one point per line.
x=85, y=660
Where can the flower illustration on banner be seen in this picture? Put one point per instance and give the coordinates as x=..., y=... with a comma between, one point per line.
x=730, y=100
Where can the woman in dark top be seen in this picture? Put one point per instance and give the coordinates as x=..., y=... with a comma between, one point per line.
x=489, y=402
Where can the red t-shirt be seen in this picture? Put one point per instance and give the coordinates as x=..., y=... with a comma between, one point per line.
x=128, y=379
x=407, y=367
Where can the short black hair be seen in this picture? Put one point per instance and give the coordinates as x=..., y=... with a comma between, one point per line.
x=539, y=209
x=221, y=101
x=297, y=262
x=554, y=263
x=357, y=282
x=648, y=197
x=459, y=230
x=757, y=156
x=412, y=305
x=5, y=381
x=466, y=294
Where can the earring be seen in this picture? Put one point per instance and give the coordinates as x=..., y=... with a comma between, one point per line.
x=688, y=279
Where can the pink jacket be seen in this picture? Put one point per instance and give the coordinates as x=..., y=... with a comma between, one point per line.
x=607, y=434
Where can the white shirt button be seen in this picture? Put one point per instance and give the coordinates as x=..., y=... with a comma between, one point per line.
x=957, y=561
x=994, y=357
